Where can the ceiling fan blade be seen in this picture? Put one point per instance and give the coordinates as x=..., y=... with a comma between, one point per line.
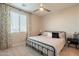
x=46, y=10
x=35, y=10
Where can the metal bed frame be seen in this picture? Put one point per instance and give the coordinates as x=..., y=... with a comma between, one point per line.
x=36, y=44
x=33, y=43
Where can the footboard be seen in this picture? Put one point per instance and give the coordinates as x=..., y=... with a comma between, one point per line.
x=41, y=47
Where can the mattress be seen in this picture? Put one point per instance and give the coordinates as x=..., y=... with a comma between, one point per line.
x=57, y=43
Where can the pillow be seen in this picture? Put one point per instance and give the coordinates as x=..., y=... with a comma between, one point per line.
x=55, y=35
x=61, y=35
x=44, y=33
x=49, y=34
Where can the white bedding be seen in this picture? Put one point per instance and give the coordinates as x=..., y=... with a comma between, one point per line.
x=57, y=43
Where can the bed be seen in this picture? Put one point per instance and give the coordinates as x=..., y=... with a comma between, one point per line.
x=47, y=45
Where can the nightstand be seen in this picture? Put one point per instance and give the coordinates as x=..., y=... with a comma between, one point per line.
x=39, y=34
x=74, y=41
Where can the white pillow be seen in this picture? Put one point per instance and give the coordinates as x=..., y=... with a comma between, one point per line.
x=44, y=33
x=48, y=34
x=61, y=35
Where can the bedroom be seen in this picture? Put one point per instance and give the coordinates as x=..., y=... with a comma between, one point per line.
x=19, y=21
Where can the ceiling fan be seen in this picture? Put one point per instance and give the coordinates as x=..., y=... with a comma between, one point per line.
x=42, y=8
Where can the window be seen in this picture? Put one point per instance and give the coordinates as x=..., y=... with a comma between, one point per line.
x=18, y=22
x=14, y=22
x=22, y=23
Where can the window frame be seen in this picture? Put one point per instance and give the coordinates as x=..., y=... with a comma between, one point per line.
x=19, y=30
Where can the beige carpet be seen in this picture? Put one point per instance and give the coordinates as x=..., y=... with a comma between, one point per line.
x=27, y=51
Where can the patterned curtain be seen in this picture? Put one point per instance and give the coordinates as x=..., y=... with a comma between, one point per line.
x=4, y=26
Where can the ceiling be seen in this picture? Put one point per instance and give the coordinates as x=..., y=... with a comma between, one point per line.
x=30, y=7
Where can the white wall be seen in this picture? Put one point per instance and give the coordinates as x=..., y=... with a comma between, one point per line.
x=36, y=23
x=65, y=20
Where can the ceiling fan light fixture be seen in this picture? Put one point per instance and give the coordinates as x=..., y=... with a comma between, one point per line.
x=41, y=9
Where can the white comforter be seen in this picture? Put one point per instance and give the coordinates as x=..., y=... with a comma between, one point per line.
x=57, y=43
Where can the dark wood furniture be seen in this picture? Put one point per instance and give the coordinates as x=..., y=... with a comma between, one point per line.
x=39, y=34
x=74, y=41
